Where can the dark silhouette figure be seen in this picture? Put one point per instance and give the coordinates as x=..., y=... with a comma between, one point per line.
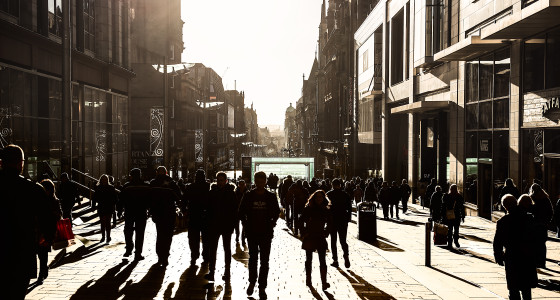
x=54, y=214
x=222, y=214
x=341, y=210
x=240, y=191
x=453, y=212
x=105, y=198
x=24, y=204
x=515, y=233
x=135, y=201
x=196, y=200
x=543, y=212
x=259, y=212
x=405, y=195
x=165, y=198
x=509, y=188
x=358, y=194
x=435, y=204
x=317, y=218
x=556, y=217
x=370, y=193
x=296, y=198
x=385, y=199
x=395, y=193
x=67, y=193
x=286, y=184
x=429, y=191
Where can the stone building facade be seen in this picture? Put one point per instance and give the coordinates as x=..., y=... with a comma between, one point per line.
x=466, y=94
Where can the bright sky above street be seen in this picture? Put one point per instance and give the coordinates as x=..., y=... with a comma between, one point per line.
x=264, y=45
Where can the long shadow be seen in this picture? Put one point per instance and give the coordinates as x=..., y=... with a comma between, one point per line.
x=148, y=287
x=472, y=227
x=475, y=238
x=192, y=284
x=455, y=276
x=364, y=289
x=549, y=284
x=241, y=256
x=107, y=286
x=466, y=252
x=379, y=243
x=79, y=254
x=405, y=222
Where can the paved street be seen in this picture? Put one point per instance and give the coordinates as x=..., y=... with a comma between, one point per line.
x=391, y=268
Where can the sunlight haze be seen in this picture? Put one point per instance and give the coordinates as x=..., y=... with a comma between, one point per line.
x=266, y=46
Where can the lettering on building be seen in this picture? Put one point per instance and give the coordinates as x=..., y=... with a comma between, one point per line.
x=551, y=105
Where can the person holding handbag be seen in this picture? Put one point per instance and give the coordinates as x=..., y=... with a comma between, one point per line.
x=452, y=213
x=47, y=239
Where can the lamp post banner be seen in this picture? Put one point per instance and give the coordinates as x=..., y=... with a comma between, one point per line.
x=156, y=132
x=198, y=153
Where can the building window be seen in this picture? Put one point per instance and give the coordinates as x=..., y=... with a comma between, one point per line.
x=438, y=20
x=55, y=17
x=397, y=50
x=10, y=7
x=89, y=24
x=365, y=62
x=541, y=62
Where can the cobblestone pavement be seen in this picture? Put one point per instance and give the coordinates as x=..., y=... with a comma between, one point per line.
x=391, y=268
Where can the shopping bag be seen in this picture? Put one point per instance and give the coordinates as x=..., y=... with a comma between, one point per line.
x=440, y=234
x=64, y=235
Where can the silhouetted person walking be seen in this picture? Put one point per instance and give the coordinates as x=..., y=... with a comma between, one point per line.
x=515, y=233
x=24, y=204
x=67, y=193
x=240, y=191
x=135, y=201
x=395, y=193
x=341, y=211
x=405, y=195
x=453, y=212
x=429, y=191
x=196, y=201
x=259, y=212
x=318, y=221
x=166, y=198
x=222, y=214
x=435, y=204
x=105, y=198
x=543, y=212
x=46, y=240
x=385, y=199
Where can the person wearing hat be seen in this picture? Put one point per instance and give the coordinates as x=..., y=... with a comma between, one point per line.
x=196, y=201
x=135, y=201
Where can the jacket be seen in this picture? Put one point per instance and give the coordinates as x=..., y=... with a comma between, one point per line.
x=259, y=213
x=134, y=200
x=105, y=197
x=165, y=198
x=341, y=207
x=317, y=222
x=196, y=201
x=455, y=202
x=221, y=209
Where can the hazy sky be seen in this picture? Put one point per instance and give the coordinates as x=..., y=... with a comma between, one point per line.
x=265, y=45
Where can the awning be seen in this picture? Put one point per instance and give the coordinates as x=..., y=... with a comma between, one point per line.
x=371, y=94
x=420, y=107
x=529, y=18
x=467, y=49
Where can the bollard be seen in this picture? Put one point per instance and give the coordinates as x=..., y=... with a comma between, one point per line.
x=428, y=249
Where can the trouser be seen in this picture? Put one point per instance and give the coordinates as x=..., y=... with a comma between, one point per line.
x=134, y=225
x=239, y=232
x=213, y=250
x=309, y=258
x=195, y=234
x=525, y=293
x=67, y=213
x=385, y=210
x=541, y=246
x=164, y=237
x=259, y=244
x=298, y=224
x=105, y=221
x=341, y=231
x=396, y=208
x=289, y=214
x=453, y=231
x=404, y=204
x=43, y=254
x=15, y=287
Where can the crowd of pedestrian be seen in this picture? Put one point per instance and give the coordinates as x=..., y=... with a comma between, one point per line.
x=314, y=209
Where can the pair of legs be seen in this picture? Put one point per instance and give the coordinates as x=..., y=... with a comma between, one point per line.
x=385, y=211
x=214, y=238
x=105, y=227
x=525, y=293
x=164, y=229
x=258, y=245
x=134, y=225
x=396, y=208
x=322, y=267
x=339, y=231
x=196, y=232
x=239, y=232
x=453, y=232
x=43, y=254
x=404, y=204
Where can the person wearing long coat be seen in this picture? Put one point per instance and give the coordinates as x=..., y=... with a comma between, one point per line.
x=105, y=198
x=54, y=213
x=514, y=234
x=317, y=220
x=543, y=212
x=395, y=193
x=385, y=199
x=435, y=204
x=452, y=213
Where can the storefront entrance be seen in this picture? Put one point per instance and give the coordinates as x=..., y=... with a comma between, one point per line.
x=485, y=189
x=551, y=176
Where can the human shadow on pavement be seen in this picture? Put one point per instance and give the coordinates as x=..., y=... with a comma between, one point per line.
x=148, y=287
x=192, y=285
x=549, y=284
x=455, y=276
x=385, y=246
x=77, y=255
x=241, y=256
x=107, y=286
x=364, y=289
x=475, y=238
x=470, y=253
x=404, y=222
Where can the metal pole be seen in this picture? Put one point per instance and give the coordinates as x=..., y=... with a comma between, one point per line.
x=66, y=87
x=428, y=250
